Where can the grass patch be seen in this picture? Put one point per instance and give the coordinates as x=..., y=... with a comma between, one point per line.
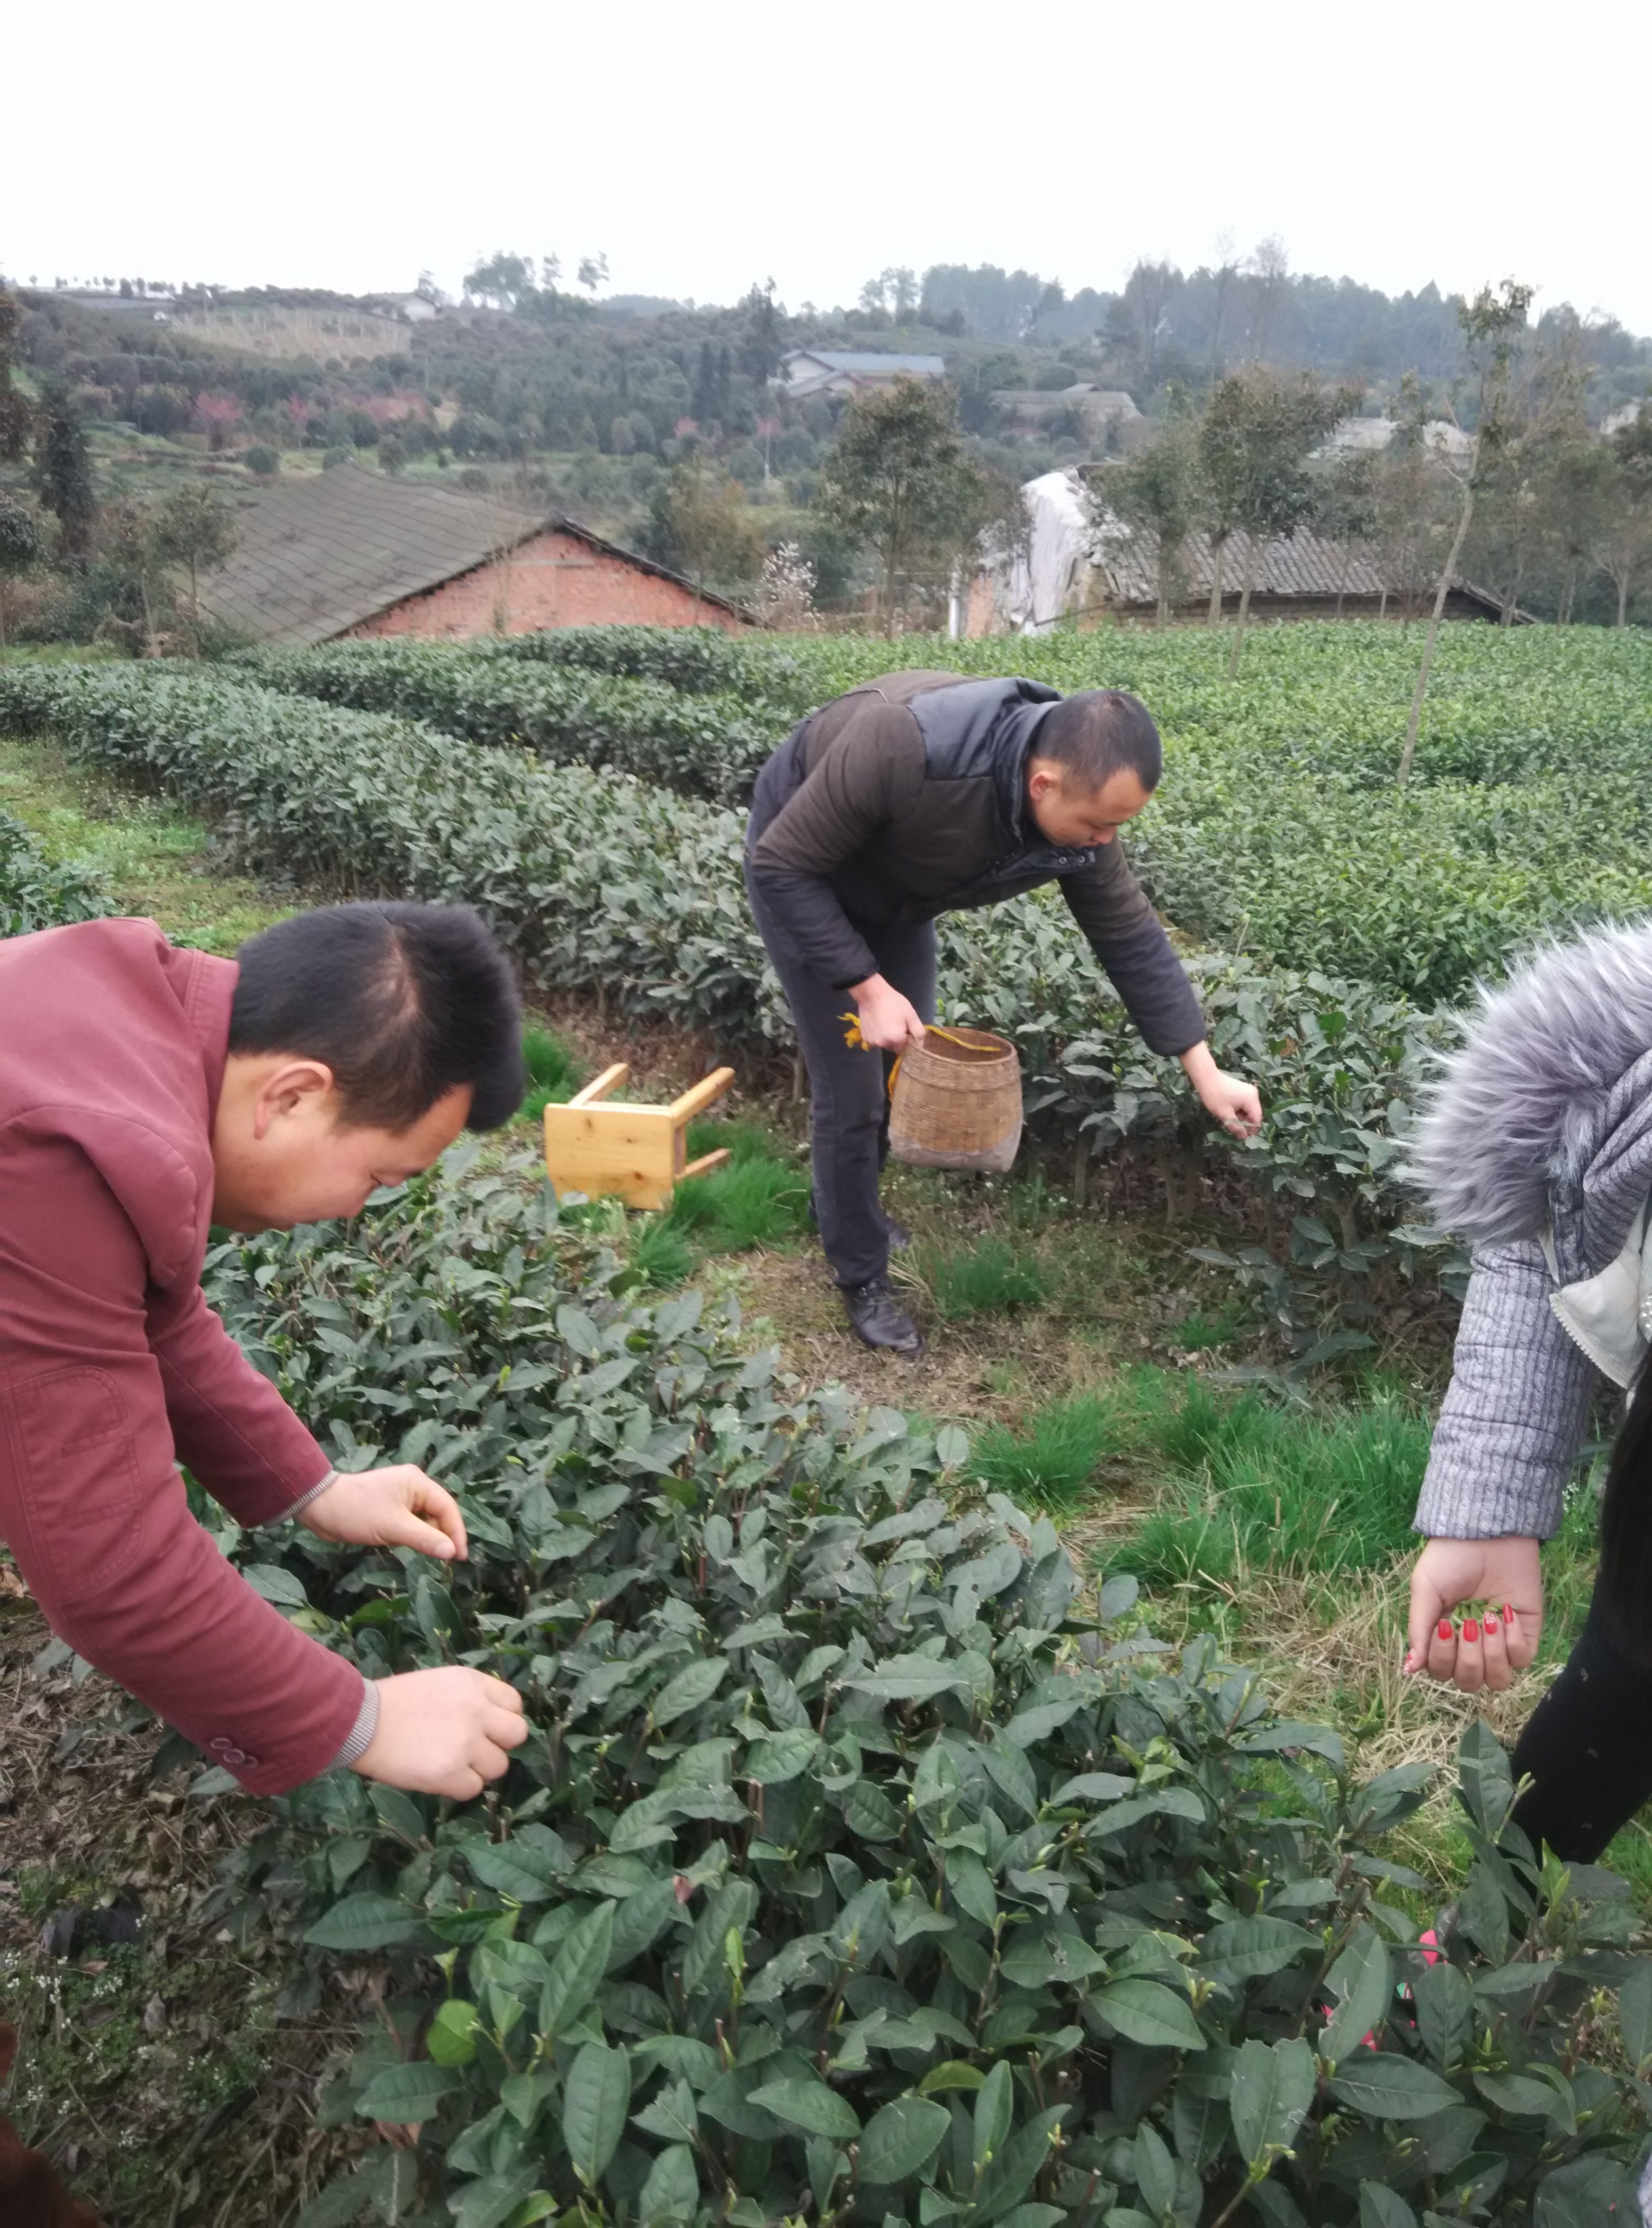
x=992, y=1277
x=661, y=1253
x=754, y=1201
x=554, y=1073
x=743, y=1140
x=1051, y=1463
x=1252, y=1486
x=153, y=859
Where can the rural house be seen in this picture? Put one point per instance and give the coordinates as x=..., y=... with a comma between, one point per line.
x=1073, y=568
x=807, y=372
x=352, y=552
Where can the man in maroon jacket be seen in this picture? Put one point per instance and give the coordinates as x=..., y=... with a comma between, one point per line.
x=146, y=1093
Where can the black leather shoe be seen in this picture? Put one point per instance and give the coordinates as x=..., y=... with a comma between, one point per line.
x=877, y=1320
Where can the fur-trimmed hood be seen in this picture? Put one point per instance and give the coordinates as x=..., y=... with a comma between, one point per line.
x=1540, y=1087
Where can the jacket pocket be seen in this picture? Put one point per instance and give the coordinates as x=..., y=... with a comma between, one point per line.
x=81, y=1490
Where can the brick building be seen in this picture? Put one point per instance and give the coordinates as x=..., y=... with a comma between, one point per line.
x=351, y=551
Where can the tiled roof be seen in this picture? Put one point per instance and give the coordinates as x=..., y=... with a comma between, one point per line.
x=321, y=552
x=1301, y=565
x=870, y=361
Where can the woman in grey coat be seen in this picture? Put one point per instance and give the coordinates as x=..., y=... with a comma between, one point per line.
x=1538, y=1148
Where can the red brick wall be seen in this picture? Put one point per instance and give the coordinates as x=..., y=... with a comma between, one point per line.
x=553, y=581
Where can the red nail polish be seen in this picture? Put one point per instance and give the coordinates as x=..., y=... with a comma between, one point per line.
x=1470, y=1629
x=1491, y=1624
x=1445, y=1627
x=1508, y=1614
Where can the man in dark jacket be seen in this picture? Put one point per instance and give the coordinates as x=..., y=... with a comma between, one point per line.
x=924, y=793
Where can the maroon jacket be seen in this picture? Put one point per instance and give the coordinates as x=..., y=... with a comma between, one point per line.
x=113, y=1367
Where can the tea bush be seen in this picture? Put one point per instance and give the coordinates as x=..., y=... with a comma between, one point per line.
x=853, y=1867
x=596, y=881
x=700, y=745
x=35, y=892
x=1278, y=826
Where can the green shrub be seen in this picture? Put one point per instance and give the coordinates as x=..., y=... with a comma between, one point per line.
x=849, y=1868
x=1254, y=1485
x=991, y=1277
x=1052, y=1462
x=37, y=893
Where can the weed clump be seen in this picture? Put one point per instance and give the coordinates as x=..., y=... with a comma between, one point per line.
x=1051, y=1463
x=554, y=1073
x=992, y=1277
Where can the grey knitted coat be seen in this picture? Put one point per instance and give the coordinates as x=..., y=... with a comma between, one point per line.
x=1542, y=1120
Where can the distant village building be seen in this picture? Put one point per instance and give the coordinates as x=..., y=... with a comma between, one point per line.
x=351, y=551
x=805, y=373
x=412, y=309
x=1075, y=569
x=1106, y=412
x=1372, y=436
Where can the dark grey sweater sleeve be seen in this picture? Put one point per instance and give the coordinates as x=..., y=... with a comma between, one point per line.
x=1126, y=935
x=1515, y=1414
x=869, y=774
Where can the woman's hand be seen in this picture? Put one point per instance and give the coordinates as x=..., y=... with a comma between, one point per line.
x=1508, y=1574
x=396, y=1506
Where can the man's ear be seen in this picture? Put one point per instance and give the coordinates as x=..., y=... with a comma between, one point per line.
x=289, y=1086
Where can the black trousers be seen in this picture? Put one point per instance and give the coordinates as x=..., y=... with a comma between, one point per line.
x=849, y=1091
x=1587, y=1745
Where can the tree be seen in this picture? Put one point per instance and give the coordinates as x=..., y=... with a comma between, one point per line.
x=1139, y=322
x=1221, y=467
x=1345, y=509
x=763, y=340
x=1494, y=326
x=702, y=524
x=63, y=469
x=593, y=272
x=1260, y=431
x=1626, y=522
x=194, y=528
x=501, y=279
x=1156, y=493
x=17, y=417
x=901, y=482
x=22, y=547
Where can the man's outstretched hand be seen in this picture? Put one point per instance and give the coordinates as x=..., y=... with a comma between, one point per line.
x=1228, y=1098
x=1485, y=1651
x=396, y=1506
x=443, y=1732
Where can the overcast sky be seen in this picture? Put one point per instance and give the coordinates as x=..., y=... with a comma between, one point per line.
x=700, y=148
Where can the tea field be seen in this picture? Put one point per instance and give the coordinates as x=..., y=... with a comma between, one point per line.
x=867, y=1863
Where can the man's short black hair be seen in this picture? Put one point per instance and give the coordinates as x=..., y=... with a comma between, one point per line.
x=1100, y=732
x=404, y=1002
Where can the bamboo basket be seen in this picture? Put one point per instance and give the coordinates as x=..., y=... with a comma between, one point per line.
x=955, y=1102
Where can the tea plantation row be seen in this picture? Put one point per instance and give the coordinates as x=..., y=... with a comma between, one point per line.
x=1278, y=828
x=596, y=881
x=852, y=1870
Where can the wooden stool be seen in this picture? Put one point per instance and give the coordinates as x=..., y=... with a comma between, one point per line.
x=614, y=1148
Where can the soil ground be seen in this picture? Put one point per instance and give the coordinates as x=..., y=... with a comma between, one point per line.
x=159, y=2071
